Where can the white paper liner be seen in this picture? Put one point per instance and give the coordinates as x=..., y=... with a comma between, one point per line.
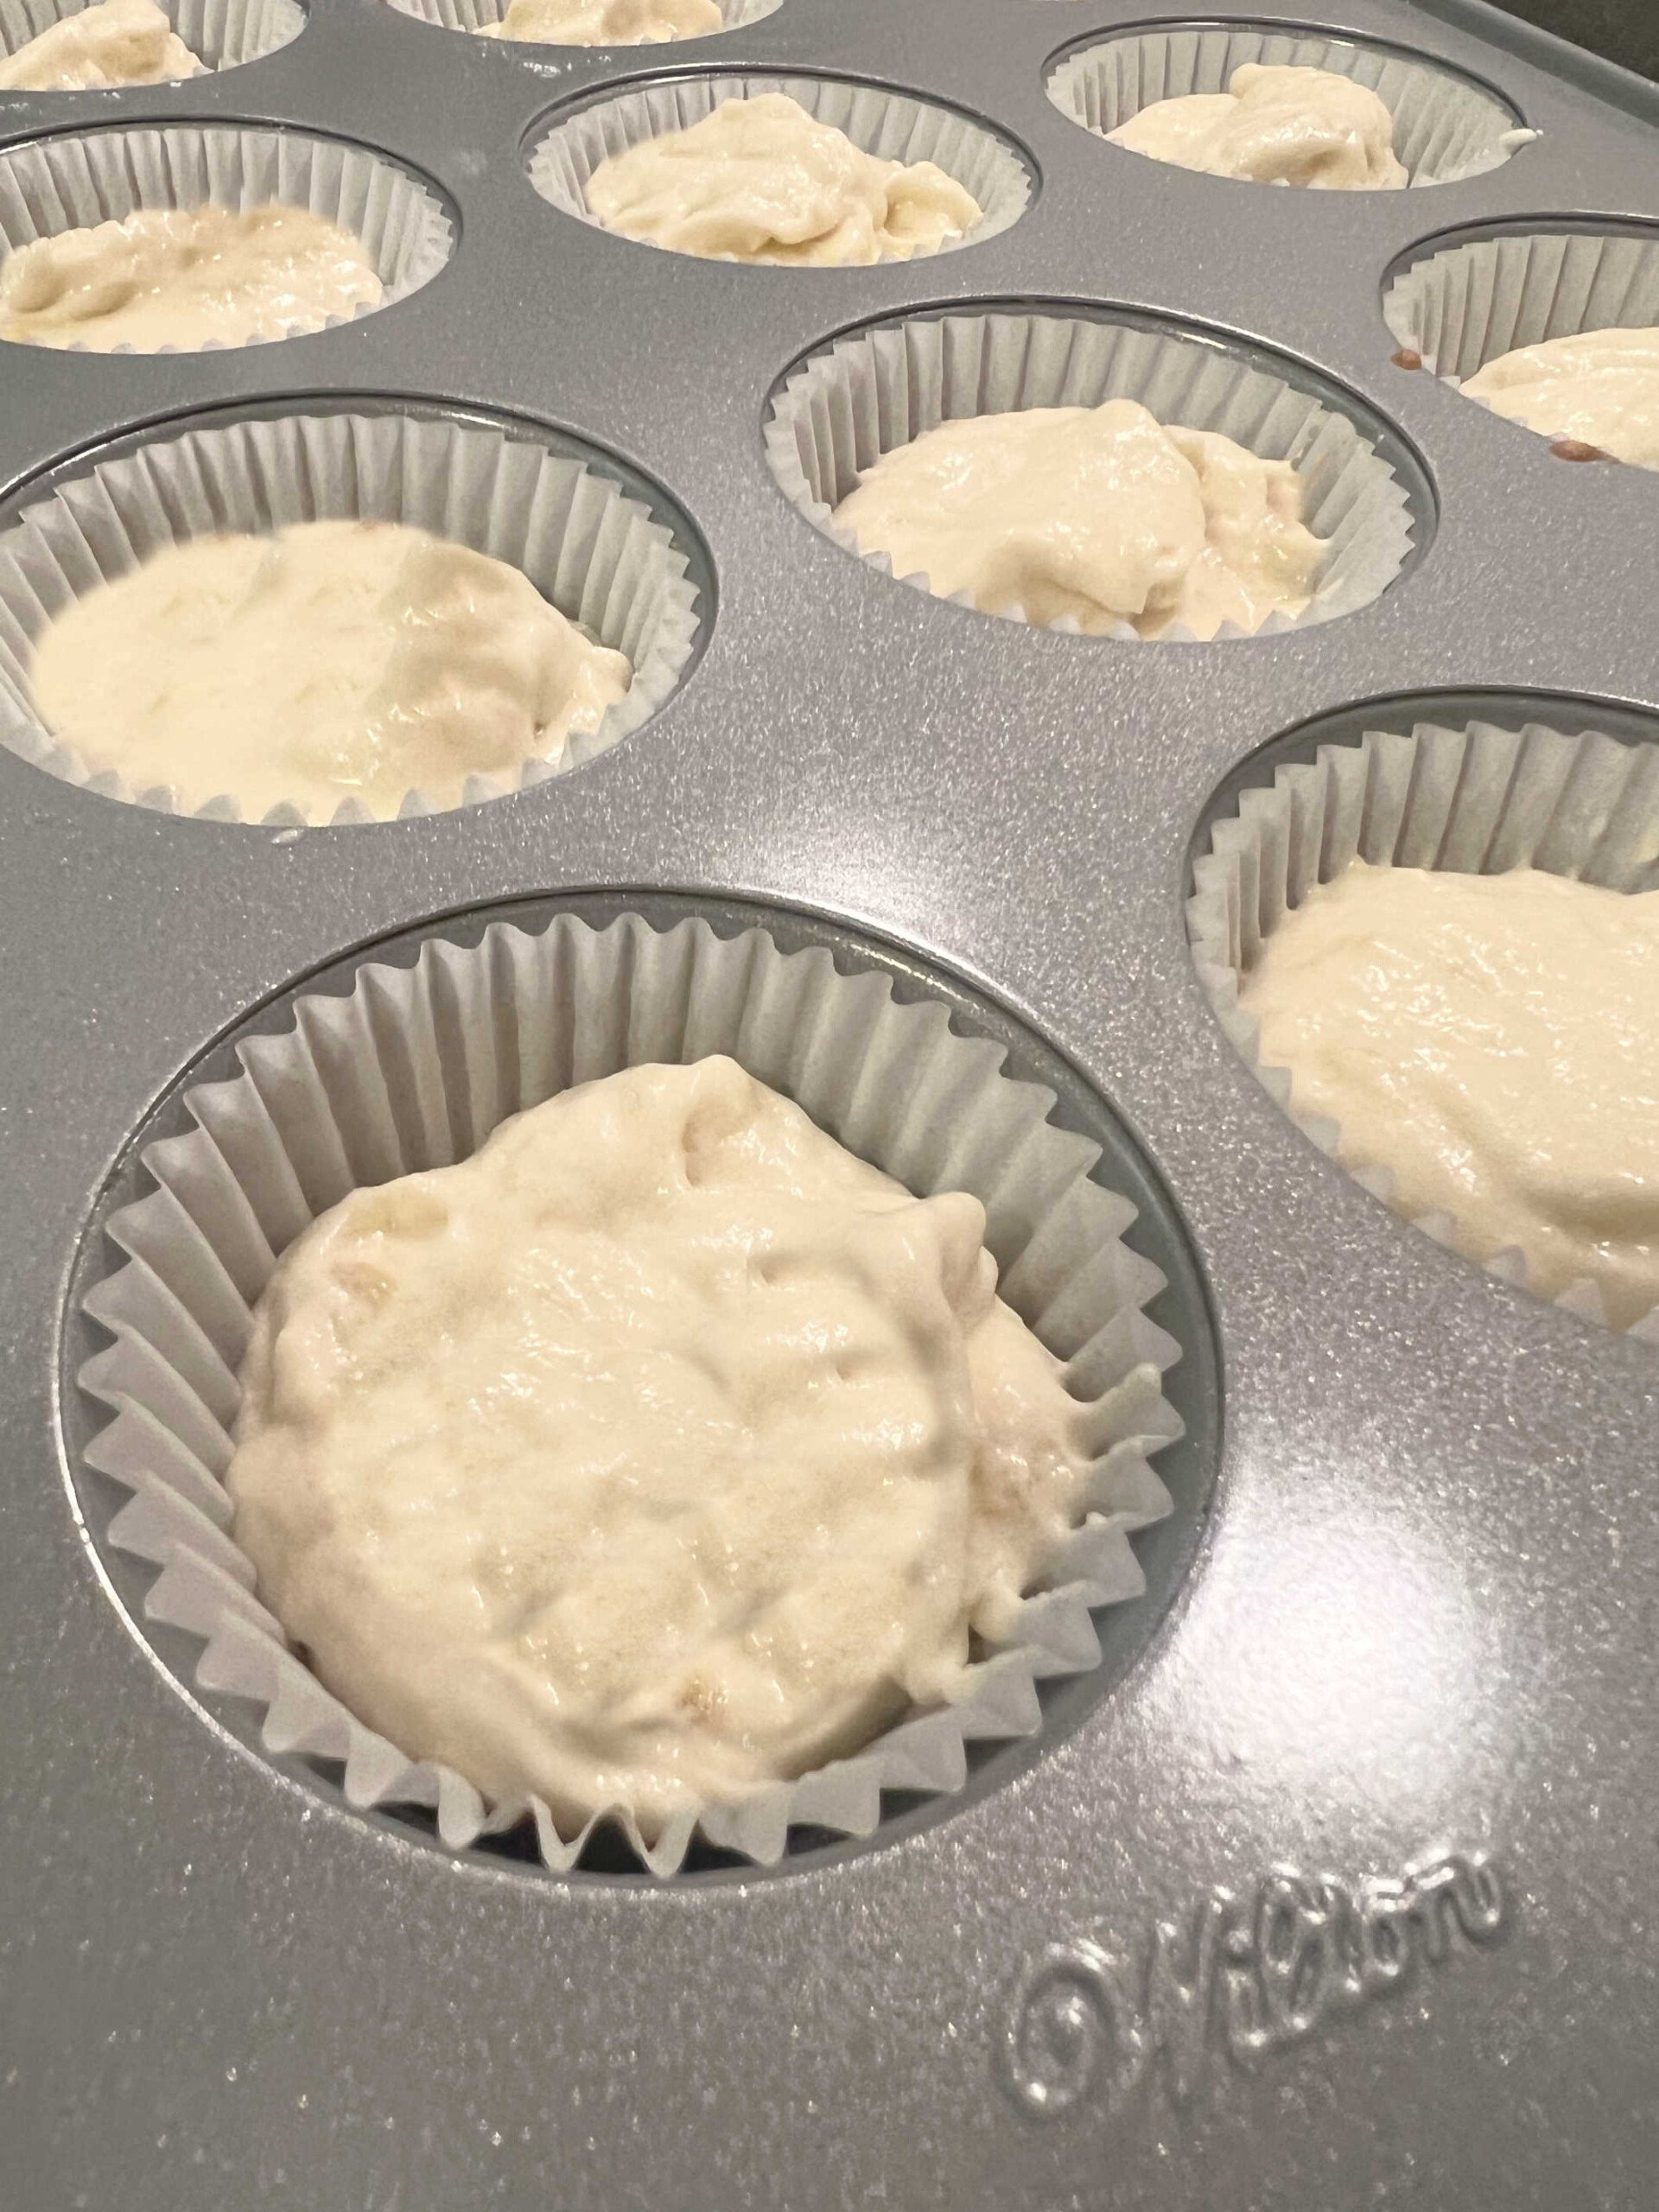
x=878, y=388
x=482, y=14
x=1445, y=127
x=1479, y=800
x=412, y=1071
x=886, y=123
x=222, y=32
x=1463, y=305
x=596, y=552
x=54, y=184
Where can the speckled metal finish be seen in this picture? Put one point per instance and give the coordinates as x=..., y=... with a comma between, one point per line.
x=1626, y=31
x=1412, y=1658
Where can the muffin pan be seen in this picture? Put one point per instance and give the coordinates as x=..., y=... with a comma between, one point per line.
x=1329, y=1883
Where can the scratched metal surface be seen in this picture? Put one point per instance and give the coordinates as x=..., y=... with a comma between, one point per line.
x=1412, y=1656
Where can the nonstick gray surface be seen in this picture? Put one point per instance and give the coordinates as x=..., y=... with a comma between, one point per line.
x=1336, y=1888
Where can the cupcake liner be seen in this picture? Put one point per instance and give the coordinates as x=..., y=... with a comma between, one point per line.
x=597, y=553
x=886, y=123
x=1445, y=126
x=1461, y=305
x=1478, y=800
x=223, y=33
x=54, y=184
x=881, y=387
x=477, y=16
x=411, y=1071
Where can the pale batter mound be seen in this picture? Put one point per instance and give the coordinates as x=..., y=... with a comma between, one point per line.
x=1490, y=1040
x=186, y=277
x=661, y=1449
x=1310, y=127
x=1098, y=515
x=1598, y=387
x=116, y=43
x=330, y=661
x=761, y=181
x=606, y=22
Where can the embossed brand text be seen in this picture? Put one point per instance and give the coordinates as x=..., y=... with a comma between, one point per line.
x=1243, y=1977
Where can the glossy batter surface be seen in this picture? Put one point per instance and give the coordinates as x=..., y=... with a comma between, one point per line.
x=662, y=1448
x=606, y=22
x=1276, y=125
x=1601, y=387
x=115, y=43
x=1492, y=1040
x=763, y=181
x=1099, y=516
x=330, y=661
x=186, y=277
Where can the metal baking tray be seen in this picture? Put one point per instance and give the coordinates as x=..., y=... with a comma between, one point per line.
x=1389, y=1697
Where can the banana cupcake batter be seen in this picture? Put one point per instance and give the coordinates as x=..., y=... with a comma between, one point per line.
x=330, y=661
x=660, y=1450
x=1099, y=516
x=1490, y=1040
x=115, y=43
x=186, y=277
x=1599, y=388
x=762, y=181
x=1273, y=125
x=606, y=22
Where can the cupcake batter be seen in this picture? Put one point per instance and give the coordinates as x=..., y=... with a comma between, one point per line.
x=330, y=661
x=1311, y=127
x=606, y=22
x=1489, y=1040
x=186, y=277
x=116, y=43
x=661, y=1449
x=1601, y=387
x=1098, y=516
x=762, y=181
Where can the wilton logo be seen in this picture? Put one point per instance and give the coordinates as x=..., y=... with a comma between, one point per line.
x=1245, y=1979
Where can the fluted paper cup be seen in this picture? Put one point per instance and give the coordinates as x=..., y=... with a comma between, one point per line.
x=597, y=553
x=1460, y=303
x=412, y=1071
x=54, y=184
x=891, y=126
x=222, y=33
x=878, y=388
x=1446, y=126
x=1477, y=800
x=481, y=16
